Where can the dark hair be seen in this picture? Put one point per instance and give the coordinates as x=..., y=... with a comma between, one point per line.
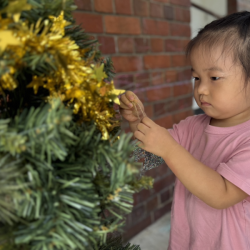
x=233, y=32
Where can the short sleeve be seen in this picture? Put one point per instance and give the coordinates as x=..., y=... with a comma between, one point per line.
x=178, y=131
x=237, y=168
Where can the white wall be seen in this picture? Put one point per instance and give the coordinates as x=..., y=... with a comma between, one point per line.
x=199, y=19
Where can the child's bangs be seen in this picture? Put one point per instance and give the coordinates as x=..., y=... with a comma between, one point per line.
x=228, y=41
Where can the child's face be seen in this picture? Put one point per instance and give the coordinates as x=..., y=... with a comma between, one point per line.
x=219, y=81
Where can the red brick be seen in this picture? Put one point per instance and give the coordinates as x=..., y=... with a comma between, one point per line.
x=163, y=170
x=173, y=45
x=162, y=211
x=160, y=108
x=182, y=15
x=124, y=81
x=122, y=25
x=142, y=80
x=162, y=1
x=166, y=122
x=104, y=6
x=141, y=77
x=140, y=8
x=185, y=103
x=182, y=89
x=158, y=78
x=127, y=64
x=186, y=16
x=141, y=196
x=126, y=45
x=83, y=4
x=156, y=10
x=124, y=125
x=152, y=204
x=107, y=44
x=149, y=111
x=182, y=116
x=181, y=2
x=141, y=95
x=141, y=45
x=165, y=107
x=184, y=44
x=152, y=173
x=135, y=229
x=178, y=29
x=90, y=22
x=164, y=183
x=178, y=14
x=168, y=12
x=123, y=7
x=156, y=61
x=142, y=84
x=155, y=27
x=157, y=45
x=184, y=75
x=171, y=76
x=158, y=94
x=138, y=213
x=165, y=196
x=179, y=60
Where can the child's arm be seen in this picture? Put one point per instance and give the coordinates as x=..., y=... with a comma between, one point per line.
x=202, y=181
x=199, y=179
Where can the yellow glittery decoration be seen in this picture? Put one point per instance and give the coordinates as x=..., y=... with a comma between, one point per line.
x=59, y=23
x=104, y=228
x=117, y=92
x=16, y=7
x=78, y=83
x=7, y=38
x=112, y=197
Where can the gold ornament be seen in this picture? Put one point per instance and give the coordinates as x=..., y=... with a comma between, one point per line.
x=117, y=92
x=77, y=82
x=7, y=38
x=59, y=24
x=36, y=83
x=16, y=7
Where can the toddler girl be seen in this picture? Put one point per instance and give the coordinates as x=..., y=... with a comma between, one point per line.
x=208, y=153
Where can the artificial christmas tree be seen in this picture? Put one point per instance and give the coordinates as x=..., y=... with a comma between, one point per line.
x=66, y=175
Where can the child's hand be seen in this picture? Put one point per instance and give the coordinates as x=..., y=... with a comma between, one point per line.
x=154, y=138
x=127, y=109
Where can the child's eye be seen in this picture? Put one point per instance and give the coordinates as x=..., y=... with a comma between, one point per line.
x=215, y=78
x=196, y=78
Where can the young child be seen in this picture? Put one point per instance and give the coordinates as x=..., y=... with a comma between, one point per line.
x=208, y=153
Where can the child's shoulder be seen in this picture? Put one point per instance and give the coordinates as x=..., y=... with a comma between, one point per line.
x=194, y=122
x=196, y=119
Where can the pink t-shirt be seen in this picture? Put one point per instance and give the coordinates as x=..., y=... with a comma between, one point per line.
x=194, y=224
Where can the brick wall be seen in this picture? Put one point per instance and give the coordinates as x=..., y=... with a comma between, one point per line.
x=146, y=40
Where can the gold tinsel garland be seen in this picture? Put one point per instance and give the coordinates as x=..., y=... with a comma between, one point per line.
x=75, y=81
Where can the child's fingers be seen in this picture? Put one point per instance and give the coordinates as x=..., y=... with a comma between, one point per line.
x=130, y=96
x=126, y=112
x=133, y=98
x=125, y=103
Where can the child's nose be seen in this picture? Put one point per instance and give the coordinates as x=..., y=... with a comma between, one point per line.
x=202, y=87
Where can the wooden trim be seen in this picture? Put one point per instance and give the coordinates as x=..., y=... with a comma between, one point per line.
x=232, y=6
x=205, y=10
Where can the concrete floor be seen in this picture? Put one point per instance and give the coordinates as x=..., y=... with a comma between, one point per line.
x=156, y=236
